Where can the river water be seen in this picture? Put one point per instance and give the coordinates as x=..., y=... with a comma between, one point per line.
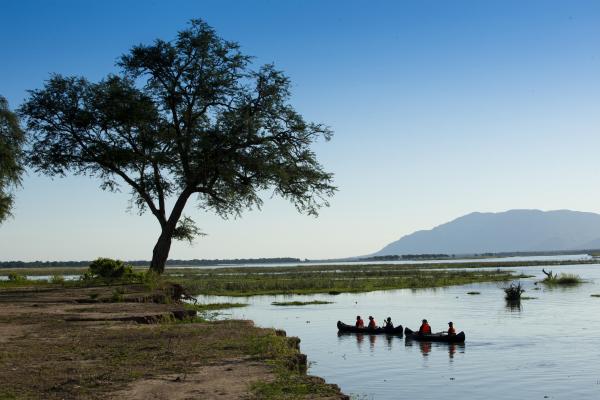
x=549, y=347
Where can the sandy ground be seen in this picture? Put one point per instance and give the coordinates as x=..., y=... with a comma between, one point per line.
x=229, y=380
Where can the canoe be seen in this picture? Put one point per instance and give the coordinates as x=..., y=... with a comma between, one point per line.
x=434, y=337
x=342, y=327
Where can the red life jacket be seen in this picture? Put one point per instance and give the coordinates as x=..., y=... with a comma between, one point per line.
x=372, y=324
x=360, y=323
x=425, y=328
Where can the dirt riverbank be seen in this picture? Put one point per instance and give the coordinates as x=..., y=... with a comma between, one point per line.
x=116, y=342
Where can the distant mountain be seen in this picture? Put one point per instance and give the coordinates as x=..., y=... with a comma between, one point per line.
x=509, y=231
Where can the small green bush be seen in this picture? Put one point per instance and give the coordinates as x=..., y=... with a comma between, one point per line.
x=110, y=269
x=14, y=277
x=150, y=278
x=57, y=279
x=117, y=295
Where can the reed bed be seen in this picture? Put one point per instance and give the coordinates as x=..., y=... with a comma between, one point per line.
x=328, y=279
x=299, y=303
x=563, y=280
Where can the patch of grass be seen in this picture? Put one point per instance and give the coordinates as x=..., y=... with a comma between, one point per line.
x=473, y=293
x=327, y=279
x=563, y=280
x=292, y=386
x=594, y=295
x=118, y=295
x=291, y=381
x=209, y=312
x=212, y=306
x=528, y=298
x=17, y=280
x=299, y=303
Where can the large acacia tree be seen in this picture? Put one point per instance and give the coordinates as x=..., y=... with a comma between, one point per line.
x=11, y=157
x=185, y=118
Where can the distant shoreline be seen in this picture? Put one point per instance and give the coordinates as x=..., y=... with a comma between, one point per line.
x=299, y=261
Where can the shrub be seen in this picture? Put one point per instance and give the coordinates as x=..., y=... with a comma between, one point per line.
x=110, y=269
x=117, y=295
x=57, y=279
x=14, y=277
x=513, y=291
x=563, y=279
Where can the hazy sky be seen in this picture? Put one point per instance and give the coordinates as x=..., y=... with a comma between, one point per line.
x=439, y=109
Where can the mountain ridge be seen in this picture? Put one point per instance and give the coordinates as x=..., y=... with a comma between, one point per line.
x=507, y=231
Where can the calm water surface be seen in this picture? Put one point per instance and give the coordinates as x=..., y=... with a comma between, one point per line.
x=562, y=257
x=550, y=346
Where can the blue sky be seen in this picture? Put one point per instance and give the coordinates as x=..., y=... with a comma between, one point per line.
x=439, y=109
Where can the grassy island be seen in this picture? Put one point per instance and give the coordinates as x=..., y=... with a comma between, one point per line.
x=300, y=303
x=249, y=281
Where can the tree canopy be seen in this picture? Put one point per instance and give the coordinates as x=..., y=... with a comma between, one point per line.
x=11, y=157
x=182, y=118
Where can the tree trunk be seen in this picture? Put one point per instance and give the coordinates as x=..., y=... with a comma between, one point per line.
x=161, y=252
x=163, y=245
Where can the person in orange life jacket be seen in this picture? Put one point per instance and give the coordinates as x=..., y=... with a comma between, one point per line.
x=372, y=323
x=451, y=330
x=359, y=322
x=425, y=328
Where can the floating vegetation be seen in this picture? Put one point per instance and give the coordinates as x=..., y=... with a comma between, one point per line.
x=299, y=303
x=213, y=306
x=473, y=293
x=528, y=298
x=594, y=295
x=561, y=279
x=513, y=291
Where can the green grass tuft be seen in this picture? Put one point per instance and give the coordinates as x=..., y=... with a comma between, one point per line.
x=299, y=303
x=213, y=306
x=563, y=280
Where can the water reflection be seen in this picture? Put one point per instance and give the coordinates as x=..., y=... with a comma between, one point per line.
x=451, y=350
x=426, y=348
x=453, y=347
x=513, y=305
x=388, y=341
x=360, y=338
